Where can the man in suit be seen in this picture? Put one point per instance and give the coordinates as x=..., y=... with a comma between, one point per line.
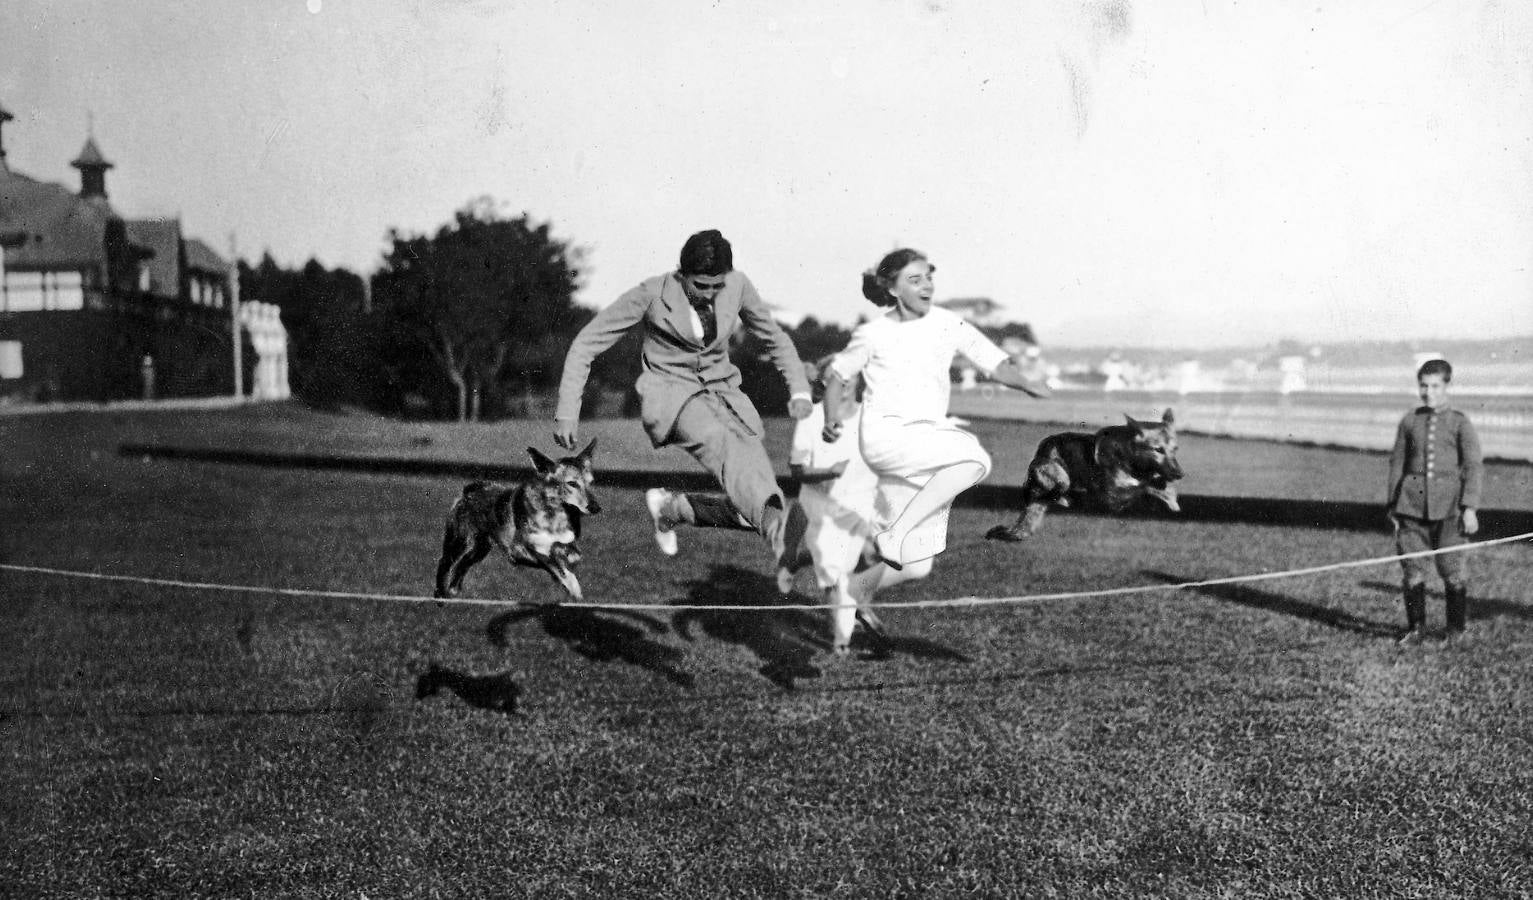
x=690, y=391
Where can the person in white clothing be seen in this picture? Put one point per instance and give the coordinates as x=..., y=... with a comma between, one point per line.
x=923, y=460
x=836, y=494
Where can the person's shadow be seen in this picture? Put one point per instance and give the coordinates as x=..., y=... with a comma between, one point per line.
x=601, y=637
x=496, y=692
x=785, y=640
x=1244, y=595
x=1479, y=607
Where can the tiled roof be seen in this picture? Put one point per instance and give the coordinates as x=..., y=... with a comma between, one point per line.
x=201, y=256
x=60, y=229
x=163, y=238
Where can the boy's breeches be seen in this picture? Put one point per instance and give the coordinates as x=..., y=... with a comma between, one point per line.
x=711, y=432
x=1416, y=535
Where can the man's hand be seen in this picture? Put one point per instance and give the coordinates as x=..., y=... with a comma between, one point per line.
x=800, y=408
x=564, y=432
x=1471, y=521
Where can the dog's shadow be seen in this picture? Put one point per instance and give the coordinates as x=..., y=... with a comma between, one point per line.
x=601, y=637
x=1243, y=595
x=497, y=692
x=1479, y=607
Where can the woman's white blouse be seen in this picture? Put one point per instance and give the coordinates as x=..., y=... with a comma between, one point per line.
x=905, y=365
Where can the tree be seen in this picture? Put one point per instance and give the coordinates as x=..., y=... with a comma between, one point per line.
x=759, y=378
x=487, y=299
x=332, y=342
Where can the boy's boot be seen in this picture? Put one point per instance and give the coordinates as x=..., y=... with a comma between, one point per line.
x=1457, y=608
x=1415, y=614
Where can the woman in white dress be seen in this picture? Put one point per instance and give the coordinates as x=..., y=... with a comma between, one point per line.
x=922, y=458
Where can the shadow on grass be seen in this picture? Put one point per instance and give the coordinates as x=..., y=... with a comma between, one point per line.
x=1479, y=608
x=601, y=637
x=1324, y=514
x=785, y=640
x=497, y=692
x=1243, y=595
x=1277, y=511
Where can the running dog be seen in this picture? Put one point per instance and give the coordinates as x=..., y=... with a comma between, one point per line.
x=1112, y=469
x=535, y=521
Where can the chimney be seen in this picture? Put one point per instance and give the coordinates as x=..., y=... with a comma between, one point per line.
x=92, y=166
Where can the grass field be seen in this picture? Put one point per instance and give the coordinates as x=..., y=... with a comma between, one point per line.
x=1257, y=740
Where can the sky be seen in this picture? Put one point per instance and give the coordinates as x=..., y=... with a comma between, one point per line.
x=1113, y=172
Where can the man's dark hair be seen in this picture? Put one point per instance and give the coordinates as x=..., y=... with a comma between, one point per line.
x=1435, y=367
x=706, y=253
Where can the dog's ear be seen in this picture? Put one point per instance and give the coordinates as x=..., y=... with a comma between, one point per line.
x=540, y=462
x=1168, y=418
x=1132, y=423
x=585, y=455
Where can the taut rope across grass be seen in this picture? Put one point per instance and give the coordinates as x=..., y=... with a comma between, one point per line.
x=955, y=601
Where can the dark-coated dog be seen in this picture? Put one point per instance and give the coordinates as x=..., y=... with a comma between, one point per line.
x=535, y=522
x=1110, y=469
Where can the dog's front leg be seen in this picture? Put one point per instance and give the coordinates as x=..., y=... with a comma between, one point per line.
x=560, y=562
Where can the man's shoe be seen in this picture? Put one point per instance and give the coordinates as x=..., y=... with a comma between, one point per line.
x=659, y=502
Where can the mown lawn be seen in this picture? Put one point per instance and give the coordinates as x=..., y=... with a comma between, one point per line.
x=1266, y=739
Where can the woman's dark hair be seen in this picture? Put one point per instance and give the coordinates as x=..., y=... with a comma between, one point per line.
x=1435, y=367
x=876, y=283
x=706, y=253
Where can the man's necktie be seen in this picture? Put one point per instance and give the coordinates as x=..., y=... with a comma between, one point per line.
x=710, y=321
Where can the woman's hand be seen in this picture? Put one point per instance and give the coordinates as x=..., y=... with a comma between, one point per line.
x=831, y=432
x=1012, y=374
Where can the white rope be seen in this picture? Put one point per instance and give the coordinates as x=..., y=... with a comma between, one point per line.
x=956, y=601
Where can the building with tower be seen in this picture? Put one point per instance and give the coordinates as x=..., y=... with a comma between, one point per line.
x=98, y=307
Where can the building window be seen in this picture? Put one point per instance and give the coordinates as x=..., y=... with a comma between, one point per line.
x=32, y=291
x=10, y=359
x=143, y=277
x=23, y=291
x=65, y=290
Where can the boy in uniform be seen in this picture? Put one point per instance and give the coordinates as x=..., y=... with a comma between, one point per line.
x=1435, y=475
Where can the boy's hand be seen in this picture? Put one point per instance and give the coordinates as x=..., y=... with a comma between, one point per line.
x=1471, y=521
x=799, y=408
x=1394, y=523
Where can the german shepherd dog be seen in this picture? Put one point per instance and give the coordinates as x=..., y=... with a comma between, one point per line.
x=1111, y=469
x=535, y=522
